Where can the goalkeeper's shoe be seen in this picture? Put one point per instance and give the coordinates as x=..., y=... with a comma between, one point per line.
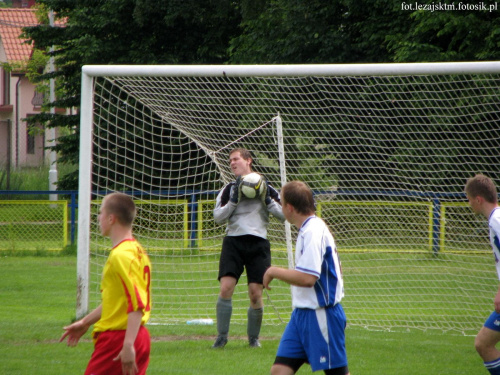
x=220, y=342
x=254, y=342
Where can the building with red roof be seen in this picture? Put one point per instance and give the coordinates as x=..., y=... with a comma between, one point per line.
x=12, y=20
x=20, y=146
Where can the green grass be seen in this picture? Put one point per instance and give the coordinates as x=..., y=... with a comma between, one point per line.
x=31, y=178
x=37, y=297
x=400, y=290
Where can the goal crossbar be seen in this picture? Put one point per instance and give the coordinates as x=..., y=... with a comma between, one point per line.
x=483, y=67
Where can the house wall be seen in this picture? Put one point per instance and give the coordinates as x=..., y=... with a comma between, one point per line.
x=21, y=95
x=35, y=156
x=4, y=139
x=6, y=115
x=3, y=56
x=26, y=149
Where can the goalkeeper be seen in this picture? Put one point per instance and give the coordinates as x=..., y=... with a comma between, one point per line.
x=245, y=245
x=483, y=199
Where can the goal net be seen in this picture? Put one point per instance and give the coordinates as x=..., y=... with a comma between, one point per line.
x=386, y=148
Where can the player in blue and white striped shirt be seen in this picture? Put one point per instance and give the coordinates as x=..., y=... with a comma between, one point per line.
x=483, y=199
x=316, y=331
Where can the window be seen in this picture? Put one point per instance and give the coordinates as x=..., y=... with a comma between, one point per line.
x=5, y=87
x=30, y=139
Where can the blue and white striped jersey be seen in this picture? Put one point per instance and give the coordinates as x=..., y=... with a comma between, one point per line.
x=494, y=223
x=316, y=254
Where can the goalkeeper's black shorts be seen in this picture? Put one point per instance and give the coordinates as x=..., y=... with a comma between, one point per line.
x=250, y=252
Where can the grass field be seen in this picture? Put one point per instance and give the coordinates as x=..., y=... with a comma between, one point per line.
x=37, y=297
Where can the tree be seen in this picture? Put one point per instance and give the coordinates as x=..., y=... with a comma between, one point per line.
x=248, y=32
x=362, y=31
x=347, y=31
x=299, y=31
x=125, y=32
x=452, y=35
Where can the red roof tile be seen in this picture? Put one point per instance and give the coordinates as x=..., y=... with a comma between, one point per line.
x=12, y=20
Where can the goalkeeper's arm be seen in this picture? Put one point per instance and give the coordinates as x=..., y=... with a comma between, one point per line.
x=272, y=201
x=224, y=205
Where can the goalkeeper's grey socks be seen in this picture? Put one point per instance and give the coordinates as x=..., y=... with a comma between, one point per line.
x=224, y=310
x=254, y=322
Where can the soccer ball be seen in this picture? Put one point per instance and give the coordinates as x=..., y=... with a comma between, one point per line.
x=252, y=185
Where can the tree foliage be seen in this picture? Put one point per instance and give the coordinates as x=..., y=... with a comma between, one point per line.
x=125, y=32
x=298, y=31
x=246, y=32
x=466, y=35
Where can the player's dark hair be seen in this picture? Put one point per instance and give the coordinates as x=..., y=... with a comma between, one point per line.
x=122, y=206
x=483, y=186
x=300, y=196
x=244, y=153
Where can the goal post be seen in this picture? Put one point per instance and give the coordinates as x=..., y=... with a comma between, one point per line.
x=386, y=148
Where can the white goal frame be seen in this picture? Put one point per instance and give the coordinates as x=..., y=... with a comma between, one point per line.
x=89, y=72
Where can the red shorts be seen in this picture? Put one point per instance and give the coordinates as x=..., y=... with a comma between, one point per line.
x=107, y=347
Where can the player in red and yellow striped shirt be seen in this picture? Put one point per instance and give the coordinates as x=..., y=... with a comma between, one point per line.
x=122, y=343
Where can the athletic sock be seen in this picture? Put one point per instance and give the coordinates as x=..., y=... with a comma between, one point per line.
x=224, y=311
x=254, y=321
x=493, y=367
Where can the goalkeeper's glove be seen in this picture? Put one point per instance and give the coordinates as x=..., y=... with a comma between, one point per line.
x=266, y=194
x=235, y=194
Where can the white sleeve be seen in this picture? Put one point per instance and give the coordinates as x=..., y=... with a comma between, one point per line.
x=494, y=224
x=311, y=257
x=222, y=213
x=275, y=209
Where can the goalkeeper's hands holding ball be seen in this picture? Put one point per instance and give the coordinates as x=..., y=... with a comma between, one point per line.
x=235, y=194
x=265, y=196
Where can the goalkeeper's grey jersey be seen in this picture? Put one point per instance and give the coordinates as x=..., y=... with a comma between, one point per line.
x=249, y=216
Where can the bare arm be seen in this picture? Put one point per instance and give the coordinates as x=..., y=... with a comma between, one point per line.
x=292, y=277
x=497, y=300
x=77, y=329
x=127, y=354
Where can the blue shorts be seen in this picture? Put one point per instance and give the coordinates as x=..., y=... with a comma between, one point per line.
x=493, y=322
x=317, y=337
